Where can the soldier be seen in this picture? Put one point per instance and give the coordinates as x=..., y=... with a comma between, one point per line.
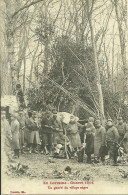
x=15, y=128
x=112, y=137
x=27, y=131
x=28, y=123
x=90, y=124
x=34, y=135
x=99, y=141
x=47, y=132
x=122, y=129
x=58, y=137
x=73, y=134
x=125, y=142
x=6, y=135
x=89, y=149
x=21, y=120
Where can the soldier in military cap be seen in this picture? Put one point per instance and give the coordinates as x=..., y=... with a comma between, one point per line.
x=34, y=135
x=47, y=132
x=99, y=140
x=21, y=120
x=89, y=149
x=112, y=137
x=122, y=129
x=6, y=137
x=58, y=137
x=15, y=128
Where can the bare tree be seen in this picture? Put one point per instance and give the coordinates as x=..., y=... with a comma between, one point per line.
x=121, y=29
x=101, y=104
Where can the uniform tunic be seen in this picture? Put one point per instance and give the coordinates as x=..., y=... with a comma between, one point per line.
x=47, y=131
x=6, y=135
x=22, y=130
x=112, y=137
x=89, y=144
x=28, y=130
x=99, y=140
x=73, y=134
x=122, y=129
x=125, y=142
x=58, y=136
x=47, y=124
x=15, y=134
x=34, y=134
x=91, y=126
x=6, y=150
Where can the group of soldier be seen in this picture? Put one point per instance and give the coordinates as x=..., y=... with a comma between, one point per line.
x=29, y=132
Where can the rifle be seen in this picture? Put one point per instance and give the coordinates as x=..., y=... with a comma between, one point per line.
x=65, y=145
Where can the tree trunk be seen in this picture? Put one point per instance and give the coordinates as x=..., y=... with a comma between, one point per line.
x=113, y=62
x=9, y=38
x=33, y=60
x=24, y=75
x=123, y=49
x=100, y=95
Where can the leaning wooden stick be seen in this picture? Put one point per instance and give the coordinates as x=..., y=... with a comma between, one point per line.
x=67, y=156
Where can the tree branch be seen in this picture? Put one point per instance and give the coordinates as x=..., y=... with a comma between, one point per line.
x=26, y=6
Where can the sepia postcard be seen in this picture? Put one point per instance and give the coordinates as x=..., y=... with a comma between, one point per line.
x=64, y=97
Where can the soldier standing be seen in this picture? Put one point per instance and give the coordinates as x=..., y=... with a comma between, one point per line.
x=99, y=141
x=6, y=136
x=58, y=136
x=21, y=120
x=122, y=129
x=112, y=137
x=89, y=149
x=34, y=135
x=15, y=128
x=73, y=134
x=47, y=132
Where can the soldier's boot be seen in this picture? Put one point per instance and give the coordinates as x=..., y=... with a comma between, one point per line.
x=51, y=151
x=22, y=151
x=115, y=160
x=18, y=153
x=96, y=160
x=103, y=160
x=36, y=150
x=15, y=153
x=46, y=150
x=30, y=150
x=89, y=159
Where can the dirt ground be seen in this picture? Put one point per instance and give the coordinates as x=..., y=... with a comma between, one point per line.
x=29, y=174
x=44, y=167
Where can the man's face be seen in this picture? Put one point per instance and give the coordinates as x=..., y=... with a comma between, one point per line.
x=97, y=124
x=12, y=118
x=3, y=116
x=54, y=116
x=91, y=120
x=120, y=121
x=109, y=123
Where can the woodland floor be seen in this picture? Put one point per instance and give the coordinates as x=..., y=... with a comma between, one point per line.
x=29, y=174
x=40, y=166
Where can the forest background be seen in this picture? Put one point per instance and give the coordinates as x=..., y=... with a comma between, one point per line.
x=66, y=54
